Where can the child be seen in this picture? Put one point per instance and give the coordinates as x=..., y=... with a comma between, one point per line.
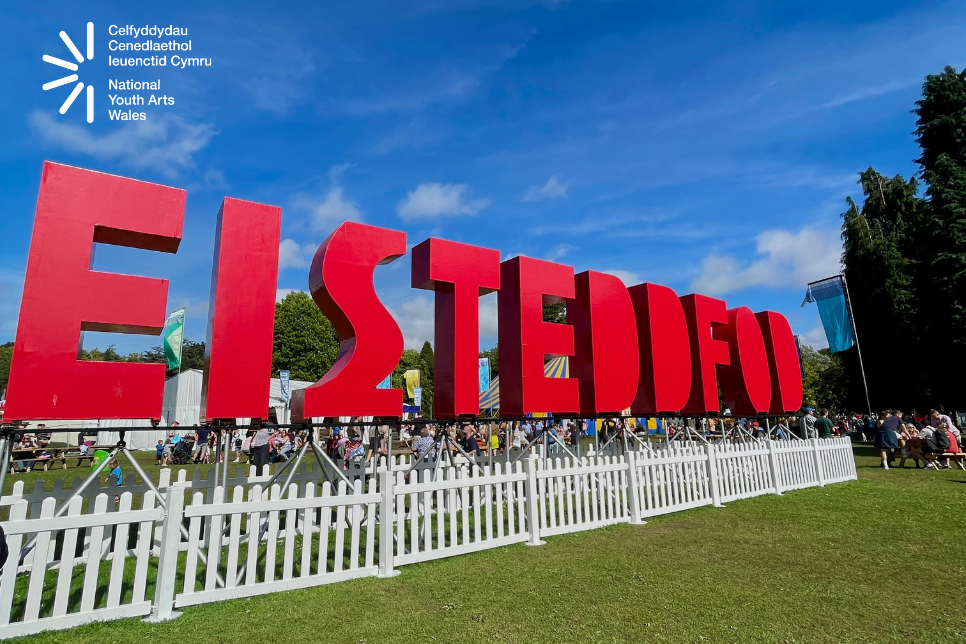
x=115, y=476
x=159, y=448
x=115, y=473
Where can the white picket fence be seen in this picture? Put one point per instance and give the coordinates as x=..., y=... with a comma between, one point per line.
x=133, y=556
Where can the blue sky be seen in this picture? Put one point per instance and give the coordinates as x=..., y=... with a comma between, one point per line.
x=705, y=146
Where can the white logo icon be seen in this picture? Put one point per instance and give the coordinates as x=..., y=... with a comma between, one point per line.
x=73, y=77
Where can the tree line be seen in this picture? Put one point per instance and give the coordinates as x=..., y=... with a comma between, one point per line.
x=904, y=259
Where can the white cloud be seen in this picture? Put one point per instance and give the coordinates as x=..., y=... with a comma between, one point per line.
x=558, y=252
x=438, y=200
x=280, y=293
x=553, y=189
x=629, y=278
x=416, y=319
x=815, y=338
x=167, y=144
x=489, y=318
x=332, y=209
x=292, y=255
x=790, y=260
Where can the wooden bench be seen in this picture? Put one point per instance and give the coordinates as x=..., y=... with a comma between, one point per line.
x=57, y=455
x=958, y=458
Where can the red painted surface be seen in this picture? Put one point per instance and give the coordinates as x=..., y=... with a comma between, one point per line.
x=605, y=361
x=783, y=362
x=703, y=313
x=526, y=340
x=241, y=311
x=62, y=297
x=371, y=343
x=665, y=350
x=459, y=274
x=745, y=381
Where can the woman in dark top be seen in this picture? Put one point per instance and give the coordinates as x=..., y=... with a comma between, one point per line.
x=887, y=439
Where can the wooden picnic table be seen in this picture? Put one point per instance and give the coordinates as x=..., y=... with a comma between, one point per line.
x=57, y=454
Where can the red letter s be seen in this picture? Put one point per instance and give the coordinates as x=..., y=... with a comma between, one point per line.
x=370, y=342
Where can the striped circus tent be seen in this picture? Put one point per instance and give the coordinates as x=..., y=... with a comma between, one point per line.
x=555, y=368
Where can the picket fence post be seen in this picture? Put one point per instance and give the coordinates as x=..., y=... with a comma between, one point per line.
x=819, y=473
x=163, y=609
x=633, y=481
x=713, y=476
x=773, y=466
x=386, y=525
x=533, y=498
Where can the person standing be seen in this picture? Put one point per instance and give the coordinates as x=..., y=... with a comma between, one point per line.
x=519, y=436
x=260, y=448
x=823, y=426
x=810, y=421
x=201, y=445
x=887, y=438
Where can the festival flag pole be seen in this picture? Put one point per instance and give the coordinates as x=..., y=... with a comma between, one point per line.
x=835, y=307
x=855, y=334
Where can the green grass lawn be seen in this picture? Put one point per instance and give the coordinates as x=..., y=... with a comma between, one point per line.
x=880, y=559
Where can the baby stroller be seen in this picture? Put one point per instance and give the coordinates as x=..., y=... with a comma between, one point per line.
x=181, y=453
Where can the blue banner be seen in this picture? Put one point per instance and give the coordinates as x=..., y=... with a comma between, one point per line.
x=834, y=310
x=484, y=375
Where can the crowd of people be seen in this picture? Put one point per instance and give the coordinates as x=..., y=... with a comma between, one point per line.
x=930, y=440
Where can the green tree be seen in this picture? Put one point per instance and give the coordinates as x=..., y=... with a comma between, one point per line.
x=192, y=356
x=880, y=263
x=6, y=353
x=109, y=354
x=825, y=382
x=427, y=364
x=305, y=341
x=941, y=134
x=494, y=355
x=556, y=312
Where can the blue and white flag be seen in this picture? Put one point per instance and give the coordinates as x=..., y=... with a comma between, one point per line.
x=833, y=308
x=283, y=378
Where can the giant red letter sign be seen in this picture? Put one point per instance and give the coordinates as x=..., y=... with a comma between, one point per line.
x=783, y=362
x=525, y=339
x=63, y=297
x=745, y=382
x=665, y=352
x=605, y=361
x=460, y=274
x=370, y=342
x=241, y=311
x=702, y=313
